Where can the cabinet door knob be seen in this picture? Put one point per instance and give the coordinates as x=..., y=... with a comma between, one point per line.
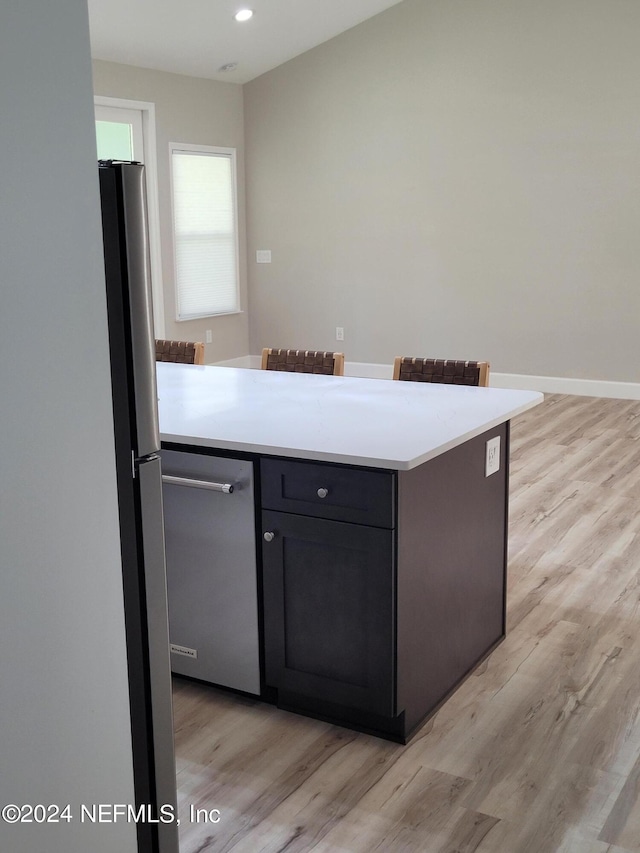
x=268, y=536
x=322, y=493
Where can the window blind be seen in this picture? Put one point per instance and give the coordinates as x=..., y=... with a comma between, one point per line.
x=205, y=233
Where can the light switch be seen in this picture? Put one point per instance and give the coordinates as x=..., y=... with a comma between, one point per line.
x=492, y=459
x=263, y=256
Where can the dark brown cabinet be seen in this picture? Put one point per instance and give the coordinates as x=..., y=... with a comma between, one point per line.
x=382, y=590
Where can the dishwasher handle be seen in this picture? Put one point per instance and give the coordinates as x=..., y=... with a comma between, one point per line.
x=225, y=488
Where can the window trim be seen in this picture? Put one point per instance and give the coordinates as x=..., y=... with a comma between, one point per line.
x=212, y=150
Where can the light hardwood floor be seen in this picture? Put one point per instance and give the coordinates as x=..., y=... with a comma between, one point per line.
x=537, y=752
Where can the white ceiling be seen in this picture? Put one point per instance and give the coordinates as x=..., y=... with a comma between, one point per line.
x=197, y=37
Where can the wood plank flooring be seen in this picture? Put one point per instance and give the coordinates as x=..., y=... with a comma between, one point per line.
x=538, y=752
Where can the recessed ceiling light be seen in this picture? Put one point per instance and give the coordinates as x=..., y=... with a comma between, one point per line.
x=243, y=15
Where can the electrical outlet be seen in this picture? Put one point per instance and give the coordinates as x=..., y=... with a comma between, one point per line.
x=208, y=337
x=492, y=458
x=339, y=333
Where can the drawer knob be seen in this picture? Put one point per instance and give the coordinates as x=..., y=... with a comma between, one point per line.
x=322, y=493
x=268, y=536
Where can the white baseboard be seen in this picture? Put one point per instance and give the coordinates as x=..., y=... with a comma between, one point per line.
x=368, y=371
x=351, y=368
x=521, y=381
x=565, y=385
x=241, y=361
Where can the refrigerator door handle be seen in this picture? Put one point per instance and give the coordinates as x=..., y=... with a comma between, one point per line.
x=140, y=309
x=225, y=488
x=155, y=586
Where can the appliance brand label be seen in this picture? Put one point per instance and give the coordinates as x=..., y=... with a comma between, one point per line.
x=183, y=650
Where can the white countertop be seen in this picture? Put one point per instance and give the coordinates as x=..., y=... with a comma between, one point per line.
x=373, y=422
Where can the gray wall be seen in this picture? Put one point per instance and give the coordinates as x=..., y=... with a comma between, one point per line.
x=454, y=179
x=64, y=712
x=201, y=112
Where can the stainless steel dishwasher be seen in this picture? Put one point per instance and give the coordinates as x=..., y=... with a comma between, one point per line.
x=211, y=568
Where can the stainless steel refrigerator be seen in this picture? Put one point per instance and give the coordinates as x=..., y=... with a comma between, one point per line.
x=137, y=443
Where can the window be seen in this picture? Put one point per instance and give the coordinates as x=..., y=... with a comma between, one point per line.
x=205, y=230
x=126, y=130
x=119, y=133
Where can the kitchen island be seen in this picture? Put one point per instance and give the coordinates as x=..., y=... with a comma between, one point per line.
x=381, y=518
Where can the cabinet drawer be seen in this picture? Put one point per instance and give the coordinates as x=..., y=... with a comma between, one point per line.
x=335, y=492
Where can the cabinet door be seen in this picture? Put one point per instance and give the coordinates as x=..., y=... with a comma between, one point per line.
x=329, y=610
